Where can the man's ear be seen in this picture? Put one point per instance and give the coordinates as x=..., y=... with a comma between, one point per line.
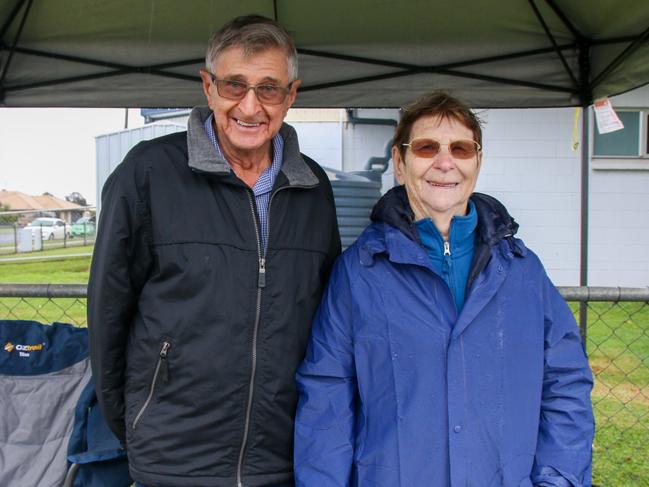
x=399, y=165
x=293, y=93
x=206, y=82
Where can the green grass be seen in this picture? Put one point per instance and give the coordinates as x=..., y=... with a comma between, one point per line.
x=8, y=250
x=618, y=351
x=621, y=446
x=65, y=310
x=67, y=270
x=617, y=344
x=77, y=248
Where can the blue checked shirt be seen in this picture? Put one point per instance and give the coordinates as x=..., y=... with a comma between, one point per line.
x=264, y=185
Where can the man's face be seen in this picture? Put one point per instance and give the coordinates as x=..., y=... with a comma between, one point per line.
x=246, y=126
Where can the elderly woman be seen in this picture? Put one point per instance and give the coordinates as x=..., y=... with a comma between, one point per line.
x=442, y=355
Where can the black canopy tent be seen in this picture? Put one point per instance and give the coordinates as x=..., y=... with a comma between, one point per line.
x=362, y=53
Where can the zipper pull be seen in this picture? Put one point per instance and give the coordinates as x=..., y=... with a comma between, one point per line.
x=447, y=248
x=262, y=273
x=164, y=365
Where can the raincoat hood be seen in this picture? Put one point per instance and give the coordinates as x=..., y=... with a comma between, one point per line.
x=494, y=222
x=494, y=225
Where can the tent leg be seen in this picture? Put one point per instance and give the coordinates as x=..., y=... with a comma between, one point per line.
x=583, y=253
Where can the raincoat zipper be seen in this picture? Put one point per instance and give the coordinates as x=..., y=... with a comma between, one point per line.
x=448, y=269
x=161, y=365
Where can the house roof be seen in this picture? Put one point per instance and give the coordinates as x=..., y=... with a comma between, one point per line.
x=16, y=200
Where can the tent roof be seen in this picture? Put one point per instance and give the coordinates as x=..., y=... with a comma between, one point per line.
x=363, y=53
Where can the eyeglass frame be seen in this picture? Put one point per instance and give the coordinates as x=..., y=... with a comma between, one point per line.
x=476, y=143
x=285, y=90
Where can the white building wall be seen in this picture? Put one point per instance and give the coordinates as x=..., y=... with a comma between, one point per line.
x=528, y=164
x=321, y=141
x=619, y=228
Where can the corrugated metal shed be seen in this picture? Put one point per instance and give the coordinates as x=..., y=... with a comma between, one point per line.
x=111, y=148
x=355, y=195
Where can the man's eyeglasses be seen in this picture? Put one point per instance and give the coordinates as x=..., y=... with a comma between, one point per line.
x=429, y=148
x=236, y=90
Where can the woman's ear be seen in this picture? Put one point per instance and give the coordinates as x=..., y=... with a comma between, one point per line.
x=399, y=165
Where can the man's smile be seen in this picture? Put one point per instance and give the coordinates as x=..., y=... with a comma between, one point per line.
x=243, y=123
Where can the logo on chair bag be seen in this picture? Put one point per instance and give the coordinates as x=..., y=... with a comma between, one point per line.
x=24, y=350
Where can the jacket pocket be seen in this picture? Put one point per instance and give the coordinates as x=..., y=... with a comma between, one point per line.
x=161, y=373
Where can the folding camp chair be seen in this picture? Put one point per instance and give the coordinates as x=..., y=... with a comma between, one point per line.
x=51, y=431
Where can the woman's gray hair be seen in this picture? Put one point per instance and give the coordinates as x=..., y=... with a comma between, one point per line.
x=252, y=33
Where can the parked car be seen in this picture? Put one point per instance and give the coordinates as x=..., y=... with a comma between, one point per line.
x=51, y=228
x=84, y=225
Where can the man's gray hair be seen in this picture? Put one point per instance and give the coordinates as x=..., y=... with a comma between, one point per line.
x=252, y=33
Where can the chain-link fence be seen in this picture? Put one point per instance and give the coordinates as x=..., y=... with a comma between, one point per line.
x=615, y=324
x=28, y=234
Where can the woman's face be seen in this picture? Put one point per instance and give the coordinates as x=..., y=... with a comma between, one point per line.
x=438, y=187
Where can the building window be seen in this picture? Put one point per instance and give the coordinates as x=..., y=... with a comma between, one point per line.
x=630, y=142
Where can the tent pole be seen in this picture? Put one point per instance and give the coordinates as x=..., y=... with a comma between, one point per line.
x=5, y=68
x=585, y=190
x=11, y=17
x=585, y=98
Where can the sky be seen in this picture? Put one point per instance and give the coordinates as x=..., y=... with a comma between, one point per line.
x=53, y=149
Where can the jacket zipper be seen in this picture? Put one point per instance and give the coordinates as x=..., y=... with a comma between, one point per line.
x=261, y=283
x=161, y=365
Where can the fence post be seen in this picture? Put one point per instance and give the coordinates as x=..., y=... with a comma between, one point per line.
x=15, y=237
x=85, y=238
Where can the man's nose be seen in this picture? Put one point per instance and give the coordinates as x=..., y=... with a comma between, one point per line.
x=250, y=104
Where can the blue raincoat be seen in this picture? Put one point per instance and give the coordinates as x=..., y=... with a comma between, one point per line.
x=397, y=389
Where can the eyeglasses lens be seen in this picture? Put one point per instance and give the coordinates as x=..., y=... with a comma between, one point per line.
x=235, y=90
x=459, y=149
x=425, y=147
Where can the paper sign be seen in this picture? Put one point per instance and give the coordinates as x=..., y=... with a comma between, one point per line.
x=606, y=118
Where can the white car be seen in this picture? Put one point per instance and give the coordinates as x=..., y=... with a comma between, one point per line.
x=51, y=228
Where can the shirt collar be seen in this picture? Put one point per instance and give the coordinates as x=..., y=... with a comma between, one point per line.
x=266, y=180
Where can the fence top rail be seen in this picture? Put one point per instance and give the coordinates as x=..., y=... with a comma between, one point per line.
x=43, y=290
x=595, y=293
x=569, y=293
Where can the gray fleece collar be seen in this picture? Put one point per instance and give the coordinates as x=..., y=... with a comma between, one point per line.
x=204, y=158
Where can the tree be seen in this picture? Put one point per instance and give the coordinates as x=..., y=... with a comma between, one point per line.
x=7, y=219
x=77, y=198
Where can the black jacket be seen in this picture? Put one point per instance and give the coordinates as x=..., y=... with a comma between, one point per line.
x=194, y=339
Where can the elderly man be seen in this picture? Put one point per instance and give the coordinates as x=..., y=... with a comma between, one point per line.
x=213, y=250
